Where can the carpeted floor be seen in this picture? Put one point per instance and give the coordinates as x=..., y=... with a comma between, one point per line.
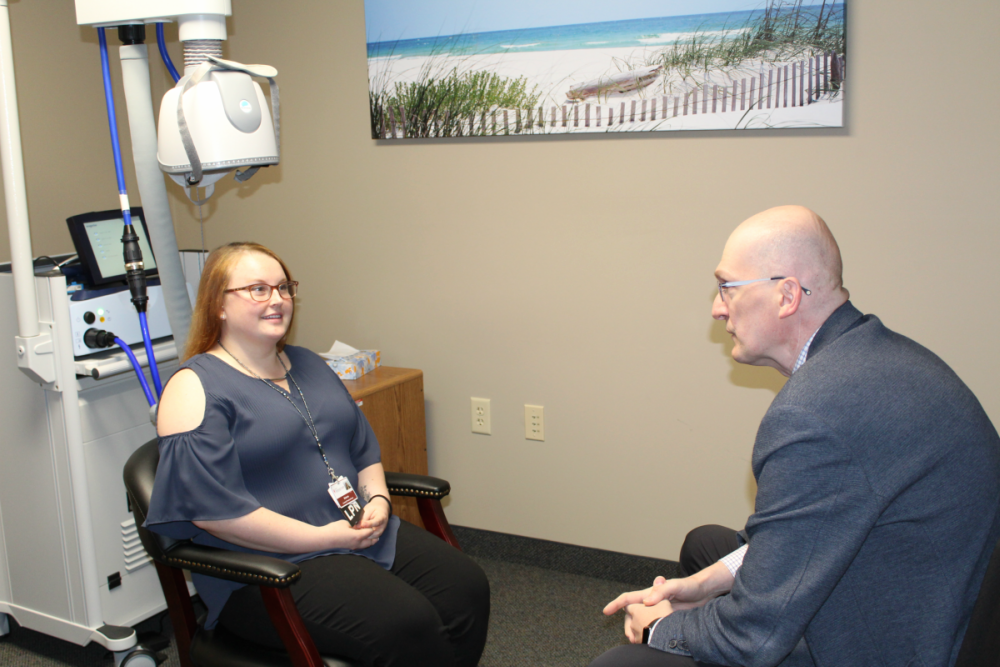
x=541, y=617
x=546, y=607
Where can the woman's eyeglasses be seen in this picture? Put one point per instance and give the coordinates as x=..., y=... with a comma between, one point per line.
x=262, y=292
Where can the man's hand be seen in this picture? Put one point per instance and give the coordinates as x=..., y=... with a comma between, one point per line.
x=661, y=599
x=633, y=597
x=666, y=596
x=681, y=593
x=638, y=616
x=686, y=593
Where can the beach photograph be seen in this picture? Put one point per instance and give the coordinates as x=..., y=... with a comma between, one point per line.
x=454, y=68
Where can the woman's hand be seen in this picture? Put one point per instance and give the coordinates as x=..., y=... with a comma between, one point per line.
x=371, y=482
x=376, y=515
x=343, y=536
x=269, y=531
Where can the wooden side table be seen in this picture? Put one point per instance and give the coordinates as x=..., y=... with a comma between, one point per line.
x=392, y=399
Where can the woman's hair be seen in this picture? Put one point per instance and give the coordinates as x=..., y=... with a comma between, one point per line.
x=206, y=325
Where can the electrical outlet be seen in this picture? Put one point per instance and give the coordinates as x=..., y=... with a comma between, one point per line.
x=534, y=422
x=481, y=415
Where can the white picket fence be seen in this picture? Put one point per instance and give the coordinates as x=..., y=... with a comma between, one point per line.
x=792, y=85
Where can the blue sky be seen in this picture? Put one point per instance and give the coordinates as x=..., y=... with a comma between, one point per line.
x=391, y=20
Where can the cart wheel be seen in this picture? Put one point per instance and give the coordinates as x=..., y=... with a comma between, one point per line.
x=140, y=657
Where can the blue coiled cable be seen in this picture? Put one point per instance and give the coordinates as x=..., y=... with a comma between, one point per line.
x=138, y=369
x=126, y=215
x=154, y=371
x=109, y=101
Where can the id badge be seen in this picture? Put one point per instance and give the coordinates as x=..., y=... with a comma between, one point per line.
x=345, y=498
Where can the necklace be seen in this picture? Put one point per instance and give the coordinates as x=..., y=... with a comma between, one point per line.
x=309, y=421
x=244, y=367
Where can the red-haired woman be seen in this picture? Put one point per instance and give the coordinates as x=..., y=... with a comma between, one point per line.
x=253, y=434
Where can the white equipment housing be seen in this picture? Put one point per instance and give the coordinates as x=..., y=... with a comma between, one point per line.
x=118, y=12
x=229, y=123
x=51, y=431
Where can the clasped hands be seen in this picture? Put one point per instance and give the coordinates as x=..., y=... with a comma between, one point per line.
x=661, y=599
x=367, y=531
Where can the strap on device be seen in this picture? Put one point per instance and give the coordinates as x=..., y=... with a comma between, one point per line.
x=202, y=71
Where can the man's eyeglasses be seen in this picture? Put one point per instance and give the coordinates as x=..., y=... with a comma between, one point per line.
x=736, y=283
x=262, y=292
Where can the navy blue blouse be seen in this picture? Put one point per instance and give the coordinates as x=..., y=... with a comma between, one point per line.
x=251, y=450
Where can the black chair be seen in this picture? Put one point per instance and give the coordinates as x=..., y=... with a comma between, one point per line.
x=218, y=647
x=981, y=646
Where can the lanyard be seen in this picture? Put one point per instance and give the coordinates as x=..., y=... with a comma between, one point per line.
x=308, y=421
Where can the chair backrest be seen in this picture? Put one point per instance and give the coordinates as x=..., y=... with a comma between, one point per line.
x=139, y=473
x=212, y=646
x=981, y=646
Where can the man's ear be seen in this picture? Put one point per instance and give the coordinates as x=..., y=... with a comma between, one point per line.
x=791, y=297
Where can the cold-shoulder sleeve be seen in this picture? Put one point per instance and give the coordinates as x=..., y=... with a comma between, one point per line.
x=199, y=477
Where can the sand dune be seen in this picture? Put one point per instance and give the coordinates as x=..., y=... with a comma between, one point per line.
x=554, y=73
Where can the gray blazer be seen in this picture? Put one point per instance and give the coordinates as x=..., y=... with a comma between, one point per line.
x=878, y=504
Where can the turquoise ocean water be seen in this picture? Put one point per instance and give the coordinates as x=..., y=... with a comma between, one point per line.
x=613, y=34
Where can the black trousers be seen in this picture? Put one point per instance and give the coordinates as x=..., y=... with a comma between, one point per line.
x=702, y=547
x=432, y=608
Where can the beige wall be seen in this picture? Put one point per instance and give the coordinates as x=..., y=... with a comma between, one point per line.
x=576, y=273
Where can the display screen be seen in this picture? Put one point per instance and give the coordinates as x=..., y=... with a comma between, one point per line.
x=106, y=241
x=98, y=240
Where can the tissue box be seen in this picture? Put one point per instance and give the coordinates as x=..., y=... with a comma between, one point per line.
x=355, y=365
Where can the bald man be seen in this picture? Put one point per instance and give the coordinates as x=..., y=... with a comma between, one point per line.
x=878, y=485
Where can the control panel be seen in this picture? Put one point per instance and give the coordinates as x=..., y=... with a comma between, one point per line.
x=112, y=310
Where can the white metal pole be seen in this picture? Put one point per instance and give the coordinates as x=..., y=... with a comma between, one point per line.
x=13, y=183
